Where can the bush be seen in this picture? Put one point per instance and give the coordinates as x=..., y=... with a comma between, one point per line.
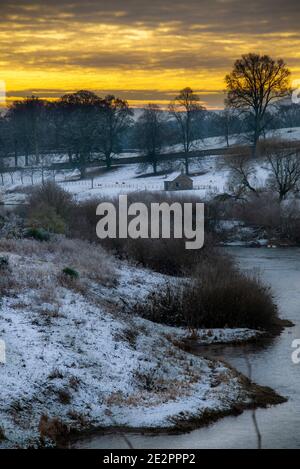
x=39, y=234
x=7, y=280
x=69, y=278
x=168, y=256
x=70, y=272
x=45, y=217
x=218, y=296
x=4, y=263
x=49, y=207
x=51, y=195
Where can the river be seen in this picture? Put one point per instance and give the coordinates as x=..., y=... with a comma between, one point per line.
x=271, y=366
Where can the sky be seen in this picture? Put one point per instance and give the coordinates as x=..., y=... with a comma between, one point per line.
x=141, y=50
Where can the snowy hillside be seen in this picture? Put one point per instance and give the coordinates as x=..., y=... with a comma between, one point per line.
x=73, y=354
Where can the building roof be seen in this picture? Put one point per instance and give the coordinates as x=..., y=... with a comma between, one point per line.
x=173, y=176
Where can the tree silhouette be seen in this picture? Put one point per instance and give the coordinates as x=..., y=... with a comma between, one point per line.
x=253, y=84
x=187, y=111
x=150, y=133
x=78, y=115
x=114, y=120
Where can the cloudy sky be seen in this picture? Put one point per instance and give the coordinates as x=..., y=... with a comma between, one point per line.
x=144, y=50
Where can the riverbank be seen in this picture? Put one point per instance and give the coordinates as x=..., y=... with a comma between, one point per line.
x=76, y=361
x=258, y=397
x=271, y=365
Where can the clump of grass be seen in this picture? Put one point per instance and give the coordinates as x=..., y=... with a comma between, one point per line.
x=91, y=260
x=56, y=374
x=53, y=429
x=64, y=396
x=78, y=418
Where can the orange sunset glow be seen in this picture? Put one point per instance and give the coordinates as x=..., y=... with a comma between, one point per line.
x=142, y=51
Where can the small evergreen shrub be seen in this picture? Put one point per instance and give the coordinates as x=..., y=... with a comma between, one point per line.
x=4, y=263
x=38, y=234
x=71, y=272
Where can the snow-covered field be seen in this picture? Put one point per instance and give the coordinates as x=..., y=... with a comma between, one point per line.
x=76, y=355
x=208, y=176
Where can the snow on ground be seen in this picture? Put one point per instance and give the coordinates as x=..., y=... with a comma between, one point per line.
x=76, y=355
x=124, y=179
x=208, y=177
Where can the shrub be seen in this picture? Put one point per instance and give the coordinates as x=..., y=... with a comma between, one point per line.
x=7, y=280
x=218, y=296
x=45, y=217
x=49, y=207
x=4, y=263
x=168, y=256
x=2, y=434
x=71, y=272
x=52, y=195
x=64, y=396
x=38, y=234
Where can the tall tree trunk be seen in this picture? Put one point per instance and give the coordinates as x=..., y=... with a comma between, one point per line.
x=186, y=164
x=37, y=157
x=108, y=160
x=82, y=165
x=154, y=165
x=255, y=137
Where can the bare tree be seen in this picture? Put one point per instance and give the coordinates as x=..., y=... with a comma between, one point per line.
x=226, y=121
x=150, y=134
x=114, y=119
x=284, y=161
x=77, y=115
x=29, y=127
x=254, y=83
x=186, y=109
x=241, y=171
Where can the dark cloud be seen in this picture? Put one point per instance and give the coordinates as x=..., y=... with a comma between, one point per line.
x=212, y=99
x=259, y=16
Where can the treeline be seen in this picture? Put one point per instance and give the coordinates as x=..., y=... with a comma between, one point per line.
x=87, y=127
